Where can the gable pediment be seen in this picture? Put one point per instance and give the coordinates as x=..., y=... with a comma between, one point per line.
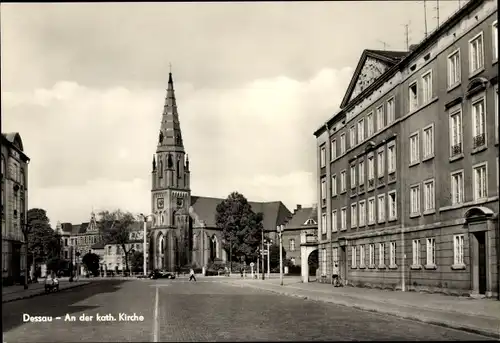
x=371, y=66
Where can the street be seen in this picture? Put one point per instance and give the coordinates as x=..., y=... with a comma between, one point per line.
x=209, y=310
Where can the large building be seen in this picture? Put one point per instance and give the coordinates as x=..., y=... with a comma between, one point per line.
x=184, y=230
x=14, y=200
x=408, y=167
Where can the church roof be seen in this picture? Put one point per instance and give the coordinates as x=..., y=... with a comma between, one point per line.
x=275, y=212
x=79, y=229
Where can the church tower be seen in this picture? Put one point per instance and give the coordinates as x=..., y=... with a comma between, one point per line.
x=170, y=191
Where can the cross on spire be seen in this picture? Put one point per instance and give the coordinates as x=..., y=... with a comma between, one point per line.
x=170, y=67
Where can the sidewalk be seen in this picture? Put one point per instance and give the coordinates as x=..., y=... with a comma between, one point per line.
x=474, y=315
x=17, y=292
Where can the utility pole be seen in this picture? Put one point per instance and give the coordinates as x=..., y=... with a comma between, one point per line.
x=268, y=260
x=407, y=37
x=384, y=44
x=263, y=268
x=425, y=17
x=437, y=12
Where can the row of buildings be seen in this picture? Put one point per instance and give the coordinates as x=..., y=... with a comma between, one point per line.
x=408, y=167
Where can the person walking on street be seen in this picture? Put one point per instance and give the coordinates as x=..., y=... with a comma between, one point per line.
x=191, y=275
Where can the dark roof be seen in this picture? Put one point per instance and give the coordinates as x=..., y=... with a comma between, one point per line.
x=13, y=140
x=393, y=55
x=275, y=212
x=82, y=228
x=301, y=216
x=99, y=245
x=67, y=227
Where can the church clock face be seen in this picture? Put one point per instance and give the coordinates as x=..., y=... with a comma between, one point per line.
x=180, y=202
x=160, y=203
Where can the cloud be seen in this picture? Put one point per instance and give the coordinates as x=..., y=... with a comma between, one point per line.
x=94, y=147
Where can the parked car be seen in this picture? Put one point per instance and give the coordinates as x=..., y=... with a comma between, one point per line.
x=161, y=274
x=51, y=283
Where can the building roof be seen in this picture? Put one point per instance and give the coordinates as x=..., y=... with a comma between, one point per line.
x=405, y=60
x=13, y=140
x=301, y=217
x=79, y=229
x=99, y=245
x=275, y=212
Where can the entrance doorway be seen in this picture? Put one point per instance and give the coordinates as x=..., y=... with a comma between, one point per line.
x=343, y=263
x=313, y=263
x=481, y=243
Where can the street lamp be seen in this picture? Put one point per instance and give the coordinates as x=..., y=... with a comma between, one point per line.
x=280, y=229
x=268, y=243
x=144, y=243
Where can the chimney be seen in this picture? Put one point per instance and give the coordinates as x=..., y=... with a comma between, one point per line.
x=298, y=208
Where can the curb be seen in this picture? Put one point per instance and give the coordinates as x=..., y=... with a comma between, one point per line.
x=398, y=315
x=41, y=293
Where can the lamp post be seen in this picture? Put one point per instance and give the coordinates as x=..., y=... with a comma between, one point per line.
x=230, y=255
x=269, y=242
x=144, y=243
x=280, y=229
x=262, y=250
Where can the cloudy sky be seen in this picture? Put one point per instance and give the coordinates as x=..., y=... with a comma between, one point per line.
x=84, y=84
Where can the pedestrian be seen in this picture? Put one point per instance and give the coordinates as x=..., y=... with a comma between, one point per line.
x=191, y=275
x=335, y=275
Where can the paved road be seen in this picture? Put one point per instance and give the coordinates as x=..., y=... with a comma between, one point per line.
x=176, y=310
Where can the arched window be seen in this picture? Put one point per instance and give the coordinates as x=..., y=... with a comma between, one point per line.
x=3, y=167
x=178, y=168
x=160, y=167
x=21, y=178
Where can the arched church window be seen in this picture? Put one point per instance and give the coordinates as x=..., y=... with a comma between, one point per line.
x=162, y=218
x=160, y=167
x=178, y=168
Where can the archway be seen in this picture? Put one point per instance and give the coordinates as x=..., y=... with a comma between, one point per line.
x=214, y=248
x=313, y=264
x=161, y=251
x=308, y=260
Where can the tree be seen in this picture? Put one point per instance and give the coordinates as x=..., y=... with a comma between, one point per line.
x=241, y=227
x=43, y=242
x=136, y=261
x=91, y=261
x=55, y=264
x=274, y=260
x=115, y=228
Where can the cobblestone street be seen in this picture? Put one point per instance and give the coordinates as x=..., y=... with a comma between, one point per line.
x=208, y=310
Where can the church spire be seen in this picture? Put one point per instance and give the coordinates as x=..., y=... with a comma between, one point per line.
x=170, y=138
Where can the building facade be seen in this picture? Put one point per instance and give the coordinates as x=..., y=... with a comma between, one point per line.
x=14, y=200
x=302, y=221
x=408, y=167
x=183, y=226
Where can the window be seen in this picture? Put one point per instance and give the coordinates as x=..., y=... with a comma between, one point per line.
x=454, y=68
x=380, y=118
x=458, y=250
x=354, y=253
x=392, y=254
x=323, y=223
x=414, y=148
x=323, y=189
x=323, y=261
x=381, y=254
x=323, y=156
x=391, y=114
x=428, y=144
x=362, y=259
x=334, y=185
x=495, y=41
x=393, y=206
x=431, y=252
x=415, y=199
x=361, y=175
x=371, y=210
x=334, y=221
x=292, y=260
x=371, y=168
x=381, y=208
x=476, y=53
x=427, y=87
x=478, y=123
x=342, y=181
x=369, y=124
x=380, y=163
x=352, y=136
x=353, y=176
x=480, y=182
x=335, y=253
x=361, y=130
x=371, y=255
x=413, y=96
x=343, y=218
x=342, y=143
x=333, y=149
x=429, y=198
x=362, y=213
x=391, y=158
x=416, y=252
x=456, y=133
x=292, y=244
x=354, y=216
x=457, y=187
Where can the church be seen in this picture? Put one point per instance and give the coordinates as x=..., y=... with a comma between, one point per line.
x=183, y=230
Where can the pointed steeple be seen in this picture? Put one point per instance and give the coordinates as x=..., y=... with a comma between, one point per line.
x=170, y=138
